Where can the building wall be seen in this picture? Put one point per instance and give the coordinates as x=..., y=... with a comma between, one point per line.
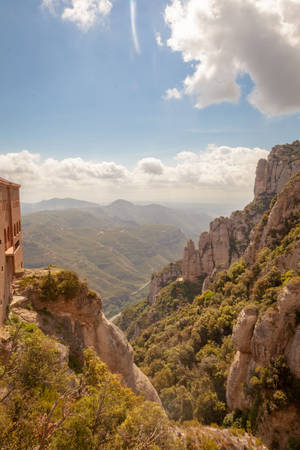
x=11, y=250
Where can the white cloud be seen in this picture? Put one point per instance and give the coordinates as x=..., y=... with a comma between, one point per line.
x=172, y=93
x=84, y=13
x=158, y=40
x=205, y=176
x=133, y=26
x=151, y=166
x=50, y=4
x=226, y=38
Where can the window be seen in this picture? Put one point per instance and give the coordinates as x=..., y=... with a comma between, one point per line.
x=5, y=237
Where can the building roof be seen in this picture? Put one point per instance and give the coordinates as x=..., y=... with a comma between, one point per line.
x=8, y=183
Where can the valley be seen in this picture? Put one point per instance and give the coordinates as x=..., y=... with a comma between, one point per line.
x=116, y=248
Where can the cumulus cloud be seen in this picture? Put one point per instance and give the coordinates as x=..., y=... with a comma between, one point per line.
x=84, y=13
x=172, y=93
x=150, y=166
x=227, y=38
x=204, y=176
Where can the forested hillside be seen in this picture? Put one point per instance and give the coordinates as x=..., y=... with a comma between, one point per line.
x=115, y=247
x=186, y=341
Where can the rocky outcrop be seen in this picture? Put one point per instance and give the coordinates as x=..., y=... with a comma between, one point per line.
x=274, y=333
x=243, y=329
x=282, y=217
x=191, y=267
x=228, y=238
x=262, y=337
x=272, y=174
x=292, y=353
x=160, y=279
x=259, y=341
x=78, y=323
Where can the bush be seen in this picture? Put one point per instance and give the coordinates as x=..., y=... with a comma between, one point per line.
x=64, y=283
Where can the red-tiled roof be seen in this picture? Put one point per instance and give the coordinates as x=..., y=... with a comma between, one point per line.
x=8, y=183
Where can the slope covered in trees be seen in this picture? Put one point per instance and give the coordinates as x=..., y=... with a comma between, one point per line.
x=183, y=341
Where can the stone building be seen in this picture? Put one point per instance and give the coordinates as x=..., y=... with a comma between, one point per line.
x=11, y=251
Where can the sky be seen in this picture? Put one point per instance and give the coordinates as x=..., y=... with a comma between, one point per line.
x=165, y=100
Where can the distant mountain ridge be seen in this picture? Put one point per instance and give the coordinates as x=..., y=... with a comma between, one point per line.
x=125, y=212
x=55, y=204
x=115, y=247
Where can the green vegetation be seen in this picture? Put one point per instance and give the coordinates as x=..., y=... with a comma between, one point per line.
x=116, y=257
x=183, y=341
x=273, y=388
x=57, y=283
x=45, y=406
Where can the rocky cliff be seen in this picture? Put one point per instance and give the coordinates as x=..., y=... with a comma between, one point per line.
x=227, y=238
x=78, y=322
x=268, y=339
x=167, y=275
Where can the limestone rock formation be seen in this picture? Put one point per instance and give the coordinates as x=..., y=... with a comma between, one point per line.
x=292, y=353
x=282, y=217
x=160, y=279
x=272, y=174
x=259, y=340
x=191, y=262
x=243, y=329
x=262, y=338
x=228, y=238
x=271, y=334
x=79, y=322
x=274, y=334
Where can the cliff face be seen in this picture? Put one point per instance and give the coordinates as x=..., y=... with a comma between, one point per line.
x=78, y=323
x=272, y=174
x=267, y=339
x=160, y=279
x=228, y=238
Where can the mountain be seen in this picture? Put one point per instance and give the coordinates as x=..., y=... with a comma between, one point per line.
x=218, y=335
x=55, y=204
x=65, y=374
x=228, y=238
x=116, y=258
x=116, y=247
x=190, y=221
x=187, y=220
x=216, y=340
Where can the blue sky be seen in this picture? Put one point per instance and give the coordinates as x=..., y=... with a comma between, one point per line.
x=66, y=92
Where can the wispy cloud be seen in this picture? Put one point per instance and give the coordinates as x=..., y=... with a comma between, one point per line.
x=159, y=40
x=133, y=26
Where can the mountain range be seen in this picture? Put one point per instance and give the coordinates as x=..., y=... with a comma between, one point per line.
x=116, y=247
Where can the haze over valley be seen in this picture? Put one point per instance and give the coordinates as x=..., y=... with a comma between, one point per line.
x=116, y=247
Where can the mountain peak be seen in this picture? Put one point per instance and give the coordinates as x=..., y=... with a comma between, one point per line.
x=273, y=173
x=121, y=202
